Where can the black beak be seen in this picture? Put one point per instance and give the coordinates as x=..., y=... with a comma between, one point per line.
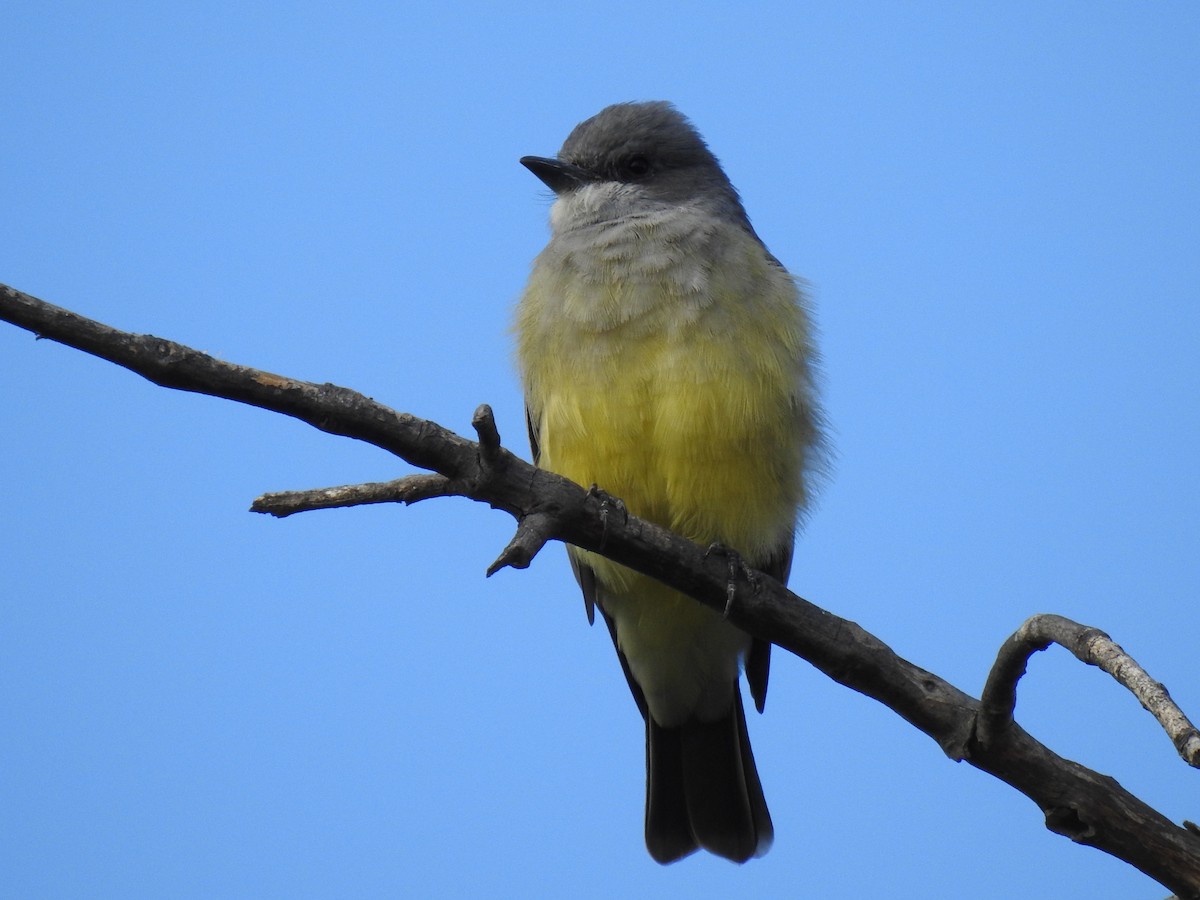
x=557, y=175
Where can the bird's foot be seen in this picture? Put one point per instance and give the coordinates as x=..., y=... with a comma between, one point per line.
x=607, y=503
x=736, y=564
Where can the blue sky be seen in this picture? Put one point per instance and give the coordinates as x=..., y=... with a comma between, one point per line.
x=997, y=209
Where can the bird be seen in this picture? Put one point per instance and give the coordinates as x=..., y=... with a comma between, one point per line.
x=668, y=358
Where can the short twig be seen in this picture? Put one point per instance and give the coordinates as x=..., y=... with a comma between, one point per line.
x=410, y=489
x=533, y=531
x=484, y=423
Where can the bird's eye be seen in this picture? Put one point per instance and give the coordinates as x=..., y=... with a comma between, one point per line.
x=637, y=166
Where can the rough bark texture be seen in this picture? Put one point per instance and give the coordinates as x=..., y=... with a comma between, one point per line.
x=1078, y=803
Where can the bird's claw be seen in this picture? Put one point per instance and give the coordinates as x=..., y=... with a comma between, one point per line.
x=607, y=502
x=736, y=564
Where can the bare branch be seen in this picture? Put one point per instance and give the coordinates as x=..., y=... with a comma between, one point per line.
x=410, y=489
x=1087, y=807
x=1089, y=645
x=533, y=532
x=484, y=424
x=330, y=408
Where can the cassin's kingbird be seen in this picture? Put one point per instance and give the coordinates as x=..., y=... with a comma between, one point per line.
x=667, y=357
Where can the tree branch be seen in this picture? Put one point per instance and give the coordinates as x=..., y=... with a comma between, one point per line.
x=410, y=489
x=1081, y=804
x=1091, y=646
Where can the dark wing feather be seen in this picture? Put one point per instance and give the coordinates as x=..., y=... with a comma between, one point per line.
x=531, y=427
x=758, y=661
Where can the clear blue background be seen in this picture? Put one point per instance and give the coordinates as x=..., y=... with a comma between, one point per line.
x=997, y=207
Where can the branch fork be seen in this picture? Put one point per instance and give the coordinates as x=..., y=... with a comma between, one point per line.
x=1093, y=647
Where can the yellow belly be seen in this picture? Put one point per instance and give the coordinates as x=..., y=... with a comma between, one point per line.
x=694, y=416
x=691, y=431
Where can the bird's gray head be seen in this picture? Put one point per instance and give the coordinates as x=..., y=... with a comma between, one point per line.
x=630, y=157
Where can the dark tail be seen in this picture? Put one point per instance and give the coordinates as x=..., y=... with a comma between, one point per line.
x=702, y=790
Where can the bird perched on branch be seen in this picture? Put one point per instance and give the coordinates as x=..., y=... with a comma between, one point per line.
x=667, y=357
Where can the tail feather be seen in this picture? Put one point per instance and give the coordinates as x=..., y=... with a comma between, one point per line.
x=703, y=790
x=668, y=829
